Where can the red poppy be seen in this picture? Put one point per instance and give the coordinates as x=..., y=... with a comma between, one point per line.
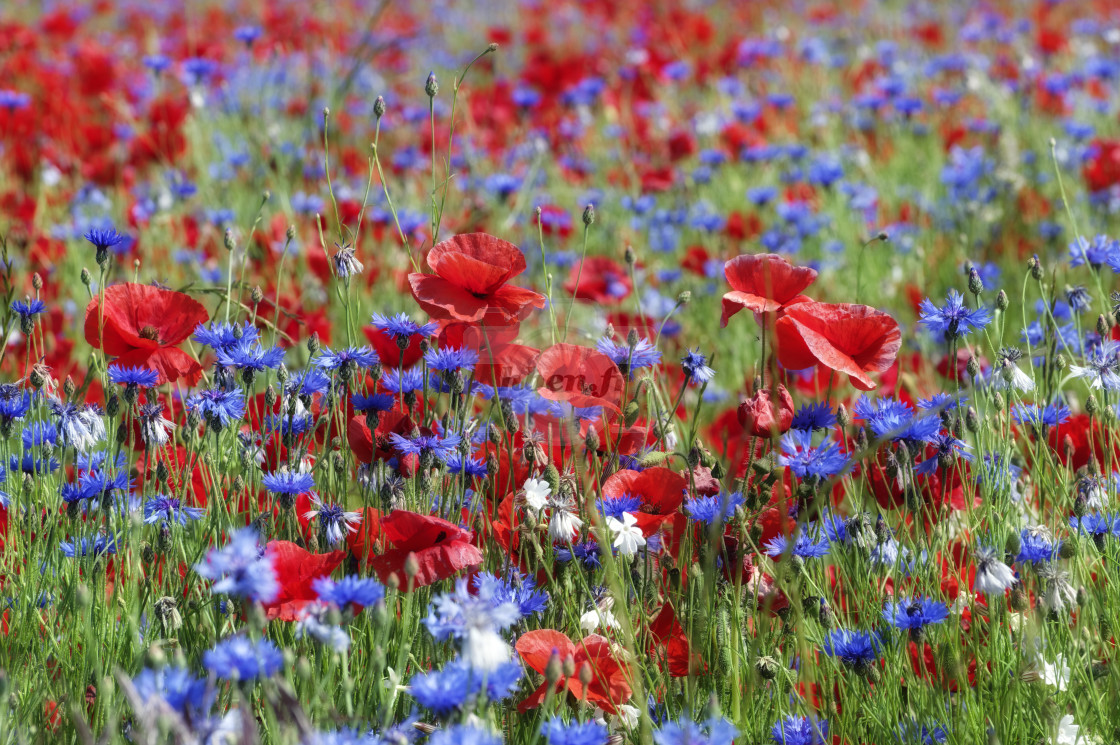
x=1102, y=169
x=852, y=339
x=388, y=351
x=579, y=375
x=362, y=540
x=763, y=283
x=608, y=687
x=296, y=569
x=660, y=490
x=761, y=418
x=668, y=642
x=598, y=279
x=143, y=326
x=469, y=284
x=441, y=548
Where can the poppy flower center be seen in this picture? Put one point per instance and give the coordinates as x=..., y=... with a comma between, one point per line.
x=149, y=332
x=649, y=509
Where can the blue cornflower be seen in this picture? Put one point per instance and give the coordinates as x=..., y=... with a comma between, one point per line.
x=141, y=377
x=351, y=357
x=288, y=482
x=375, y=402
x=310, y=382
x=79, y=427
x=804, y=546
x=474, y=620
x=558, y=732
x=695, y=367
x=225, y=336
x=519, y=589
x=1037, y=545
x=1101, y=250
x=813, y=416
x=103, y=239
x=941, y=402
x=426, y=445
x=334, y=522
x=99, y=546
x=811, y=463
x=346, y=262
x=1040, y=416
x=948, y=448
x=719, y=732
x=218, y=407
x=349, y=590
x=176, y=686
x=856, y=649
x=458, y=464
x=247, y=34
x=643, y=355
x=39, y=433
x=920, y=734
x=451, y=359
x=714, y=508
x=402, y=381
x=792, y=730
x=1096, y=524
x=587, y=553
x=401, y=327
x=457, y=684
x=248, y=354
x=954, y=320
x=241, y=568
x=913, y=615
x=616, y=506
x=1100, y=367
x=29, y=308
x=169, y=509
x=237, y=658
x=100, y=487
x=14, y=403
x=894, y=420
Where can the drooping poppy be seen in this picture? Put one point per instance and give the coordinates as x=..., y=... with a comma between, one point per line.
x=852, y=339
x=142, y=326
x=441, y=548
x=763, y=283
x=608, y=687
x=296, y=568
x=470, y=282
x=579, y=375
x=762, y=418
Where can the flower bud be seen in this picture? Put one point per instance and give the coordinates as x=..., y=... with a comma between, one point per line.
x=589, y=215
x=431, y=85
x=379, y=107
x=1002, y=302
x=975, y=284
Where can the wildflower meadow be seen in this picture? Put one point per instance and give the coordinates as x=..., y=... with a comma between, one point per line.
x=574, y=372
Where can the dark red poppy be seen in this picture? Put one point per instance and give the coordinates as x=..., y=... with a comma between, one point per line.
x=143, y=326
x=362, y=541
x=852, y=339
x=470, y=282
x=296, y=568
x=763, y=283
x=762, y=418
x=608, y=687
x=579, y=375
x=441, y=548
x=600, y=280
x=660, y=490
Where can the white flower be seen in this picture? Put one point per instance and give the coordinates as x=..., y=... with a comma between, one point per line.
x=1068, y=733
x=563, y=524
x=537, y=492
x=1009, y=376
x=599, y=615
x=1057, y=674
x=628, y=536
x=993, y=577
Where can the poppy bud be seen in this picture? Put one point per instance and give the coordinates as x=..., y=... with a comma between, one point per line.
x=758, y=416
x=972, y=367
x=629, y=254
x=1019, y=599
x=411, y=566
x=630, y=413
x=592, y=440
x=1102, y=325
x=36, y=281
x=972, y=420
x=843, y=416
x=257, y=295
x=554, y=670
x=290, y=233
x=86, y=277
x=589, y=215
x=1013, y=544
x=379, y=107
x=998, y=400
x=1002, y=302
x=1068, y=548
x=227, y=239
x=313, y=343
x=585, y=674
x=431, y=85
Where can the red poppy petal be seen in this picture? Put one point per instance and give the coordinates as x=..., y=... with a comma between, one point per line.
x=535, y=647
x=579, y=375
x=472, y=275
x=480, y=246
x=413, y=531
x=445, y=300
x=768, y=276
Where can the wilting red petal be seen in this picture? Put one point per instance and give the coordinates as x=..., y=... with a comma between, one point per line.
x=759, y=416
x=579, y=375
x=477, y=262
x=296, y=568
x=852, y=339
x=762, y=283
